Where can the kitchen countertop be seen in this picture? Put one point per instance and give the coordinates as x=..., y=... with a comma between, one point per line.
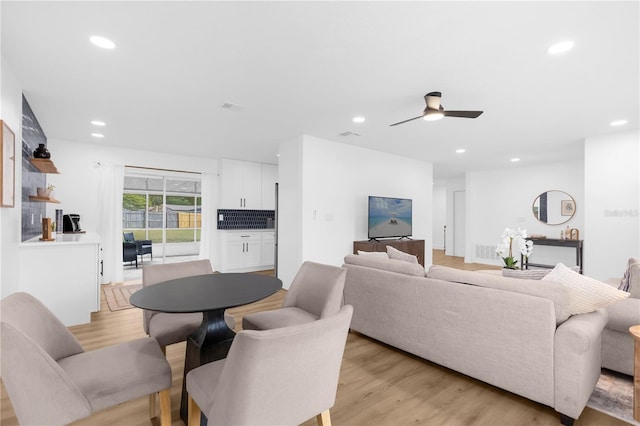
x=63, y=239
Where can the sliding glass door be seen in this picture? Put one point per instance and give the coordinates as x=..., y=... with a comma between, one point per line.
x=164, y=207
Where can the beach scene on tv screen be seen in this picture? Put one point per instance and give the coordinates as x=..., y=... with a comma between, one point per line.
x=389, y=217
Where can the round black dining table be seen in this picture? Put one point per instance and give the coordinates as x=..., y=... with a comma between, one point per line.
x=210, y=294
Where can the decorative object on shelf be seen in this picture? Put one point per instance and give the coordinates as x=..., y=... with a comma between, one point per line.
x=47, y=229
x=567, y=233
x=575, y=234
x=554, y=207
x=41, y=152
x=45, y=192
x=505, y=248
x=8, y=166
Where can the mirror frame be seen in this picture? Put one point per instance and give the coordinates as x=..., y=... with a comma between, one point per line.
x=570, y=201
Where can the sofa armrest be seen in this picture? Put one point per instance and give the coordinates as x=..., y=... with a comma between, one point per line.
x=577, y=360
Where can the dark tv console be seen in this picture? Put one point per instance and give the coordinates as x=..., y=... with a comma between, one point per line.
x=415, y=247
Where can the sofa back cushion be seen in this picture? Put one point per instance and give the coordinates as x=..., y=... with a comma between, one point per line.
x=391, y=265
x=548, y=290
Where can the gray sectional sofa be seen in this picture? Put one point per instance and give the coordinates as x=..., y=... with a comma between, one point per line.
x=513, y=334
x=617, y=342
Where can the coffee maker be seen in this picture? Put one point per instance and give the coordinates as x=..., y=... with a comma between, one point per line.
x=71, y=223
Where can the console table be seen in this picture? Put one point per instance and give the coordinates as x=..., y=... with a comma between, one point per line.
x=414, y=247
x=575, y=244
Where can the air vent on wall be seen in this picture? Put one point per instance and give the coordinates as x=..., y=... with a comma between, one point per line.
x=349, y=133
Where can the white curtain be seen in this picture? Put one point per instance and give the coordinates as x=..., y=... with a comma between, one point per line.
x=110, y=220
x=207, y=217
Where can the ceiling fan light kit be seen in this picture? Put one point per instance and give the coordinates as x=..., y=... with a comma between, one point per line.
x=435, y=111
x=432, y=115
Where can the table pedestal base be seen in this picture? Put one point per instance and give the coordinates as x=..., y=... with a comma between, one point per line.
x=210, y=342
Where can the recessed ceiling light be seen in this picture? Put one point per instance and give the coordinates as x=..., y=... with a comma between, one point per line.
x=358, y=119
x=560, y=47
x=515, y=160
x=97, y=135
x=618, y=122
x=98, y=123
x=461, y=151
x=103, y=42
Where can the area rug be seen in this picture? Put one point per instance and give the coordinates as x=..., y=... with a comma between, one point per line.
x=614, y=396
x=117, y=297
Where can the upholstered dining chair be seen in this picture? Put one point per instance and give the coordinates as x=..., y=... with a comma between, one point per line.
x=316, y=291
x=170, y=328
x=283, y=376
x=51, y=380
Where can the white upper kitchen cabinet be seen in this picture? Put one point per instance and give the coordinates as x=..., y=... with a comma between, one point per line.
x=240, y=185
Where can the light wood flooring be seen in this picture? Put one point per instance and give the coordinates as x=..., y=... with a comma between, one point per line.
x=379, y=385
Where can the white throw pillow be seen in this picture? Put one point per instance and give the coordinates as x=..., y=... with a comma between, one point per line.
x=394, y=253
x=585, y=294
x=373, y=254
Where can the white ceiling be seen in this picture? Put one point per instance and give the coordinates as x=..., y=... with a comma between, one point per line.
x=310, y=67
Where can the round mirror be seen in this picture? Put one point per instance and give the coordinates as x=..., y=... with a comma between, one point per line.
x=554, y=207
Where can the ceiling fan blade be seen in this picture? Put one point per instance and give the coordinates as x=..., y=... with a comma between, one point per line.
x=400, y=122
x=463, y=114
x=433, y=100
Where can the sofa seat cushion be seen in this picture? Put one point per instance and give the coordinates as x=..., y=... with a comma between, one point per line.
x=585, y=294
x=134, y=369
x=540, y=288
x=623, y=314
x=391, y=265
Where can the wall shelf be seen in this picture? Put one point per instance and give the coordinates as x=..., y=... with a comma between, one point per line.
x=43, y=199
x=44, y=165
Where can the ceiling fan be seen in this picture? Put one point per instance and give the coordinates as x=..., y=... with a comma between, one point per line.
x=435, y=111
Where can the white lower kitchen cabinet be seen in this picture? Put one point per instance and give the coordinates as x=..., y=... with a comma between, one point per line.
x=243, y=251
x=64, y=275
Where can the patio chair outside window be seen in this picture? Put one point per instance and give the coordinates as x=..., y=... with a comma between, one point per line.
x=142, y=246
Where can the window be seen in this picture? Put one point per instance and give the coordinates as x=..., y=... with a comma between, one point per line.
x=164, y=208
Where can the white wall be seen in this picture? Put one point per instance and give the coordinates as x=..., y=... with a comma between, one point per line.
x=612, y=195
x=78, y=181
x=439, y=214
x=334, y=180
x=11, y=107
x=500, y=199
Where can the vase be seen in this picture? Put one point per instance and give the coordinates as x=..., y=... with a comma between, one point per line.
x=41, y=152
x=43, y=192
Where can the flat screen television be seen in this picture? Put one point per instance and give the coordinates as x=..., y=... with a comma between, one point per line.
x=389, y=217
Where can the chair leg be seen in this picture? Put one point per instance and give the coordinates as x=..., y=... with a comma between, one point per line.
x=324, y=418
x=152, y=405
x=165, y=407
x=194, y=413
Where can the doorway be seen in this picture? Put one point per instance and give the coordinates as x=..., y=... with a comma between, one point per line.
x=459, y=210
